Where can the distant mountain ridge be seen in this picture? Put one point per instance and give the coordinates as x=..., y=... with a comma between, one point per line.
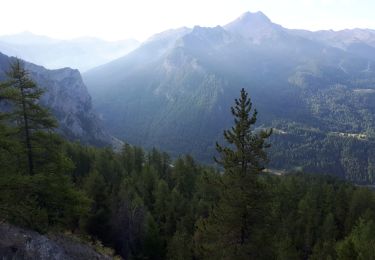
x=174, y=92
x=80, y=53
x=68, y=99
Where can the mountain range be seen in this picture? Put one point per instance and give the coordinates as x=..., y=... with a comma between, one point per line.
x=315, y=89
x=80, y=53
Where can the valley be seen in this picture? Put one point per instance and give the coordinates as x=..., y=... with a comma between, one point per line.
x=172, y=91
x=245, y=140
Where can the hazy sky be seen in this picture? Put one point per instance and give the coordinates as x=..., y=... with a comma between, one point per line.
x=139, y=19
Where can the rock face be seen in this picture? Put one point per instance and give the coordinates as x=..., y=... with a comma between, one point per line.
x=21, y=244
x=67, y=97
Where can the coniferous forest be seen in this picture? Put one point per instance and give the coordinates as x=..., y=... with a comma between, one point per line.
x=146, y=205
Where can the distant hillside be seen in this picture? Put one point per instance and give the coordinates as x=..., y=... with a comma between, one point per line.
x=80, y=53
x=69, y=101
x=174, y=92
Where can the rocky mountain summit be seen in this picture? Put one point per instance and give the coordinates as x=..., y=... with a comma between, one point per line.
x=254, y=26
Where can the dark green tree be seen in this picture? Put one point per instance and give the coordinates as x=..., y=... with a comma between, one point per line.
x=29, y=116
x=45, y=197
x=246, y=152
x=360, y=243
x=234, y=228
x=180, y=246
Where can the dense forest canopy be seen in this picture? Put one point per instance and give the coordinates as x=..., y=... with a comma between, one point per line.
x=145, y=205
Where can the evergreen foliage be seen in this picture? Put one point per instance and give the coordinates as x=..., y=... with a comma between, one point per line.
x=35, y=189
x=232, y=231
x=146, y=205
x=248, y=154
x=30, y=118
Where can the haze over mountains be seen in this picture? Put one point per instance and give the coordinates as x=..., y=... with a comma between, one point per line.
x=315, y=88
x=173, y=92
x=80, y=53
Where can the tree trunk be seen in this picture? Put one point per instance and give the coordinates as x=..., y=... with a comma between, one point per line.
x=27, y=133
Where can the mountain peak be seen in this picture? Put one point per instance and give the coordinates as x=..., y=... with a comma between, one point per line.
x=256, y=17
x=254, y=26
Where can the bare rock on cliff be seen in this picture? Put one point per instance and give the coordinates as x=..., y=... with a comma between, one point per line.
x=18, y=243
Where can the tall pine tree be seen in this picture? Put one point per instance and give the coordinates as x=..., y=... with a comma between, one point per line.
x=234, y=228
x=246, y=154
x=29, y=117
x=44, y=197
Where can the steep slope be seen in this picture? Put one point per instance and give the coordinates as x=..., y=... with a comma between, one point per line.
x=69, y=101
x=150, y=52
x=312, y=93
x=80, y=53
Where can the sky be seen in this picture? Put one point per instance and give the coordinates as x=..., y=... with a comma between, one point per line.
x=139, y=19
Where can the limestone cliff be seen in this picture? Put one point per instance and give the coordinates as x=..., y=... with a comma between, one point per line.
x=68, y=99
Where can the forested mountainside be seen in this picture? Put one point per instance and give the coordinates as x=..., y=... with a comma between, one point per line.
x=144, y=205
x=69, y=101
x=80, y=53
x=316, y=89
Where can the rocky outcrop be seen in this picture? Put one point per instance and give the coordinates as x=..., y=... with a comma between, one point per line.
x=67, y=97
x=21, y=244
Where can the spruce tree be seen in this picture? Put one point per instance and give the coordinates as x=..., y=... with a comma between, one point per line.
x=246, y=153
x=30, y=118
x=235, y=227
